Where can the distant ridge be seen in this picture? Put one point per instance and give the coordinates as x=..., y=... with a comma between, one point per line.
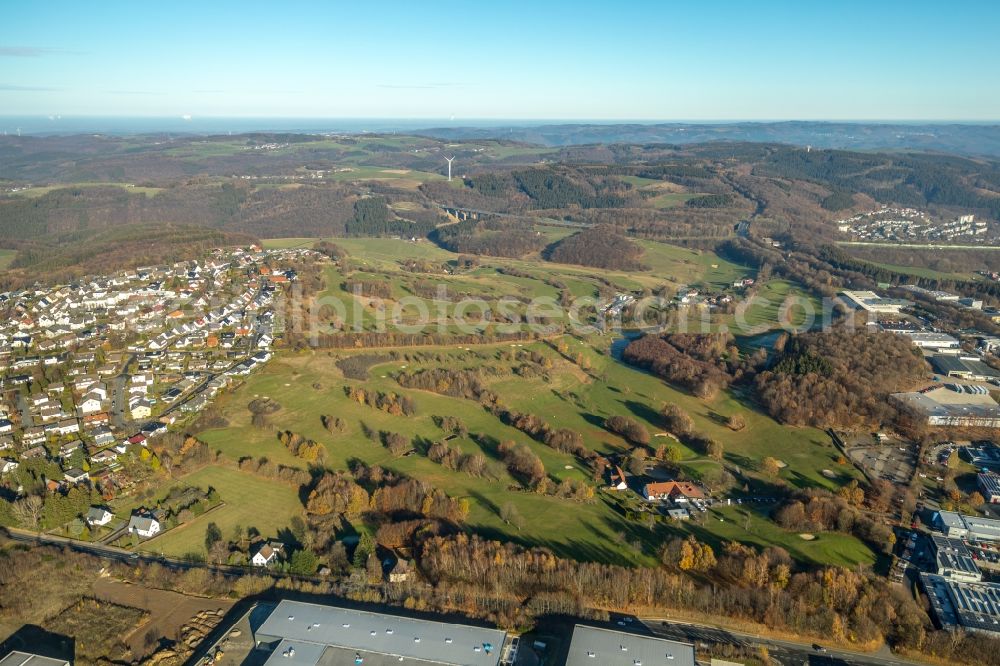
x=958, y=138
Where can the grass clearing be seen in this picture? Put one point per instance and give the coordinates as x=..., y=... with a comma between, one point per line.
x=751, y=526
x=249, y=501
x=308, y=385
x=588, y=531
x=672, y=199
x=35, y=192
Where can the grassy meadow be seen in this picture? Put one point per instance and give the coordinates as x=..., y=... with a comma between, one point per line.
x=309, y=385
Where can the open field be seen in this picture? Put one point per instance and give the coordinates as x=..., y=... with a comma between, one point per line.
x=6, y=256
x=380, y=260
x=309, y=385
x=33, y=192
x=668, y=264
x=777, y=301
x=249, y=501
x=284, y=243
x=749, y=524
x=568, y=399
x=930, y=273
x=400, y=177
x=672, y=199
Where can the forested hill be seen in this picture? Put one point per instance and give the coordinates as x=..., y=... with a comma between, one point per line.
x=962, y=139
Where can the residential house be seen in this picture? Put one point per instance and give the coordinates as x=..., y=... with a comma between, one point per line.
x=400, y=573
x=267, y=554
x=67, y=427
x=76, y=475
x=675, y=491
x=38, y=451
x=143, y=524
x=618, y=479
x=99, y=516
x=104, y=457
x=90, y=404
x=141, y=409
x=102, y=435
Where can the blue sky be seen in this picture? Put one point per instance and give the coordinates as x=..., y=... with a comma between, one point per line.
x=666, y=60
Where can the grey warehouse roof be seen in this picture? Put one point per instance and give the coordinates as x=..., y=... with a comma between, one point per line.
x=24, y=659
x=592, y=646
x=311, y=634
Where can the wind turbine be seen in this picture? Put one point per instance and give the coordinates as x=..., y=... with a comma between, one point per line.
x=449, y=161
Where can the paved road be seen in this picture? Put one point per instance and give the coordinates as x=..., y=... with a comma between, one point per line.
x=119, y=400
x=123, y=555
x=22, y=406
x=788, y=653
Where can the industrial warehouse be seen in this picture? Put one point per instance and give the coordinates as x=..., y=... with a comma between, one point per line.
x=952, y=405
x=294, y=633
x=591, y=645
x=304, y=634
x=961, y=526
x=971, y=606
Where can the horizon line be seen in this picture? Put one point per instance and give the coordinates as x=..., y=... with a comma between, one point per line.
x=622, y=120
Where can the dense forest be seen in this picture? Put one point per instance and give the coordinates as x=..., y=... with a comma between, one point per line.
x=693, y=362
x=909, y=179
x=108, y=250
x=840, y=378
x=491, y=237
x=598, y=247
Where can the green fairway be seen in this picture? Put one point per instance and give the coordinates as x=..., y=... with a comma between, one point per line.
x=6, y=257
x=672, y=199
x=748, y=524
x=248, y=501
x=557, y=523
x=309, y=385
x=776, y=303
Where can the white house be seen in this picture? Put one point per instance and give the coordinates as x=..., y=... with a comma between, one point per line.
x=618, y=479
x=76, y=475
x=98, y=516
x=144, y=525
x=104, y=457
x=267, y=554
x=141, y=409
x=7, y=465
x=90, y=404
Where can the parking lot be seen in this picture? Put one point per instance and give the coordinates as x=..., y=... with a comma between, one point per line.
x=987, y=556
x=895, y=462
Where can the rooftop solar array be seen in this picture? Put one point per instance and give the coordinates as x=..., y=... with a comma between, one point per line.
x=977, y=605
x=952, y=555
x=974, y=606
